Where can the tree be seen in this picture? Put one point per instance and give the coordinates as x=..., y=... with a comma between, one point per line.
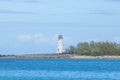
x=70, y=50
x=95, y=48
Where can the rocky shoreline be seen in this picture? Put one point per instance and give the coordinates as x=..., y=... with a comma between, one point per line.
x=58, y=56
x=38, y=56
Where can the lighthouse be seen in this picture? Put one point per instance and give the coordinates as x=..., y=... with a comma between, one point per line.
x=60, y=44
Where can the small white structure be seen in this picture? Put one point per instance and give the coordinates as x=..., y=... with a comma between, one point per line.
x=60, y=44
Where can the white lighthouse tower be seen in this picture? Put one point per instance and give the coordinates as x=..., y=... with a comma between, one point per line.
x=60, y=44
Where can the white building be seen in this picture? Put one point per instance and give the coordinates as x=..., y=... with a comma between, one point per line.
x=60, y=44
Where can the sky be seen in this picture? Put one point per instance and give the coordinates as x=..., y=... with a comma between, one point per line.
x=32, y=26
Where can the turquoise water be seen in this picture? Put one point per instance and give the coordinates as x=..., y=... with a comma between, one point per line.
x=59, y=69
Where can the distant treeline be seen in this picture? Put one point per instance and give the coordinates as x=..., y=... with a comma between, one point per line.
x=95, y=48
x=2, y=55
x=5, y=55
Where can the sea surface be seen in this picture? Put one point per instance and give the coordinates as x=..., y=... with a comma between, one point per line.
x=59, y=69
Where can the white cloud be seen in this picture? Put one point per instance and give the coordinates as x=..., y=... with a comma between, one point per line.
x=37, y=38
x=24, y=37
x=39, y=35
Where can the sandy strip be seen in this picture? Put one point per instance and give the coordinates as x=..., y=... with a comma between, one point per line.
x=92, y=57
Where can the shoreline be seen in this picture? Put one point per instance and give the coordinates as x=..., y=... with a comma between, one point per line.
x=96, y=57
x=70, y=56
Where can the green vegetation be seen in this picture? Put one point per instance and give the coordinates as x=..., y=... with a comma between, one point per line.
x=95, y=48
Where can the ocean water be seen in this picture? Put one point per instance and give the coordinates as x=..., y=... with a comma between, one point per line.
x=59, y=69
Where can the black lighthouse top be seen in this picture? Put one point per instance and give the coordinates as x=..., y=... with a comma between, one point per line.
x=60, y=36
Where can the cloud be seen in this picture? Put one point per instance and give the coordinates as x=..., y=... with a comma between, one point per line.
x=39, y=35
x=37, y=38
x=24, y=37
x=101, y=12
x=40, y=38
x=15, y=12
